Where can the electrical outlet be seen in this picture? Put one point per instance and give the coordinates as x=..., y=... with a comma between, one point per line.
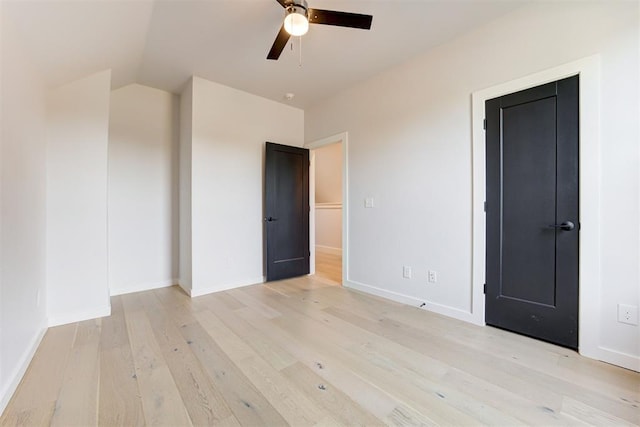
x=406, y=272
x=369, y=202
x=433, y=276
x=628, y=314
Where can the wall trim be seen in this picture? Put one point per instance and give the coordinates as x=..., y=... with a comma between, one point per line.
x=224, y=287
x=329, y=205
x=145, y=286
x=589, y=269
x=444, y=310
x=628, y=361
x=329, y=250
x=19, y=371
x=342, y=137
x=79, y=316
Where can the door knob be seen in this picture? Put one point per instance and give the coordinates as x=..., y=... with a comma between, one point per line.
x=270, y=219
x=566, y=226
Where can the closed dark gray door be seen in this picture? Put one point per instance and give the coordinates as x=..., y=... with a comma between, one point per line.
x=532, y=212
x=286, y=211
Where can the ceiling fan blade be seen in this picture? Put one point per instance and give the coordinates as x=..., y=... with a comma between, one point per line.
x=278, y=45
x=285, y=3
x=340, y=19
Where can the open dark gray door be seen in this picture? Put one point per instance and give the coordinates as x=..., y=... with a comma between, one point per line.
x=532, y=212
x=286, y=211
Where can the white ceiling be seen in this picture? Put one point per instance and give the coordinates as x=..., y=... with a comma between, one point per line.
x=161, y=43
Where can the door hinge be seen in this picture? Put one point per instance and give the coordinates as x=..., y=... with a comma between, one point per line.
x=484, y=124
x=485, y=288
x=485, y=205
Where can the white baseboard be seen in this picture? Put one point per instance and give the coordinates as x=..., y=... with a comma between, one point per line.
x=223, y=287
x=140, y=287
x=445, y=310
x=19, y=371
x=329, y=250
x=79, y=316
x=617, y=358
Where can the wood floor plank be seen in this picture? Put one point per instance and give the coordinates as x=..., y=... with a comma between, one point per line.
x=180, y=306
x=325, y=394
x=77, y=403
x=294, y=406
x=204, y=402
x=391, y=376
x=246, y=402
x=593, y=416
x=406, y=416
x=442, y=390
x=161, y=402
x=329, y=266
x=220, y=298
x=507, y=374
x=542, y=357
x=39, y=415
x=247, y=299
x=119, y=403
x=368, y=395
x=275, y=355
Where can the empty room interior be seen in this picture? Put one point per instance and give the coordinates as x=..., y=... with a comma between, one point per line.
x=321, y=212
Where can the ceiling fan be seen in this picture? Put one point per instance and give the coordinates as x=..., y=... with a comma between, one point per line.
x=298, y=16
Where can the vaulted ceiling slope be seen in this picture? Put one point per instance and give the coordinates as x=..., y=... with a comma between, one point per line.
x=162, y=43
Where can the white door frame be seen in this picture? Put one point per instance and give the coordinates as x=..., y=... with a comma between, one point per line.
x=333, y=139
x=589, y=268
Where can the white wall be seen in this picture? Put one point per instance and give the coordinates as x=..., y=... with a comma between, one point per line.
x=410, y=149
x=143, y=193
x=328, y=166
x=186, y=119
x=22, y=211
x=229, y=130
x=78, y=125
x=329, y=228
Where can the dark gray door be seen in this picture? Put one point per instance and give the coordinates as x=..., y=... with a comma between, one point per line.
x=286, y=211
x=532, y=212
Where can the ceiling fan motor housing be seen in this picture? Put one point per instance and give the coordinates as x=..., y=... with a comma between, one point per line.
x=300, y=7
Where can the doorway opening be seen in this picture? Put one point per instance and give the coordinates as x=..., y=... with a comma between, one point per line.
x=328, y=210
x=327, y=162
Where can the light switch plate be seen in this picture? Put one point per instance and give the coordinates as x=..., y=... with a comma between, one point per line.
x=368, y=202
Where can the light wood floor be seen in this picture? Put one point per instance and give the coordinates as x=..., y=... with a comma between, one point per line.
x=305, y=352
x=329, y=266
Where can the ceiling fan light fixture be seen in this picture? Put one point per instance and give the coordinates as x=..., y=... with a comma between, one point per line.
x=296, y=22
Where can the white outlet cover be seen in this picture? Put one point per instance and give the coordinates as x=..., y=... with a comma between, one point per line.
x=433, y=276
x=368, y=202
x=628, y=314
x=406, y=272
